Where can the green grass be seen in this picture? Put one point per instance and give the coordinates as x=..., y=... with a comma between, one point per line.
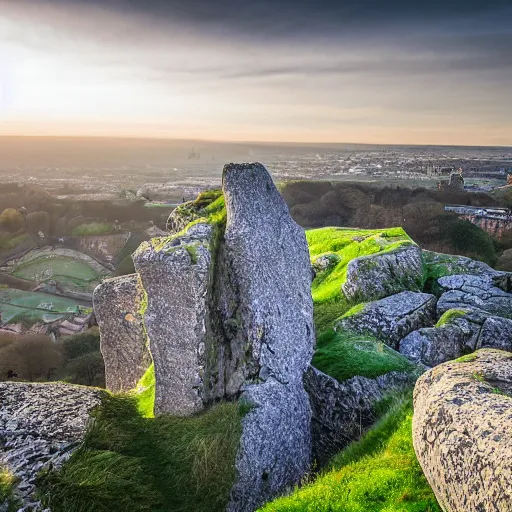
x=325, y=314
x=8, y=242
x=93, y=229
x=66, y=271
x=380, y=473
x=347, y=244
x=7, y=484
x=128, y=462
x=450, y=316
x=145, y=393
x=18, y=305
x=344, y=355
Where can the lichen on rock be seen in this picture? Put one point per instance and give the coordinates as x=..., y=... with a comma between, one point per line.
x=461, y=431
x=175, y=273
x=124, y=345
x=391, y=319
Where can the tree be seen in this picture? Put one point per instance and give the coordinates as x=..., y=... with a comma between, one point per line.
x=12, y=220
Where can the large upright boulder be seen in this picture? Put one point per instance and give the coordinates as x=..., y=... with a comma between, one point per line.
x=175, y=273
x=391, y=319
x=462, y=432
x=118, y=304
x=266, y=313
x=379, y=275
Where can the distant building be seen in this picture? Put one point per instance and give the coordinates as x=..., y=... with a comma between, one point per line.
x=456, y=182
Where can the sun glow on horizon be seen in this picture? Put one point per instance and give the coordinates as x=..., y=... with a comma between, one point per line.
x=86, y=71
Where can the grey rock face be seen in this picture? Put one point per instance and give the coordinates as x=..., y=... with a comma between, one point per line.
x=117, y=305
x=474, y=292
x=40, y=426
x=342, y=411
x=270, y=331
x=462, y=435
x=458, y=264
x=496, y=333
x=175, y=275
x=436, y=345
x=391, y=319
x=379, y=275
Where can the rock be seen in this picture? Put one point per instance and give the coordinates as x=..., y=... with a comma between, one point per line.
x=476, y=329
x=40, y=426
x=118, y=306
x=391, y=319
x=474, y=292
x=269, y=325
x=452, y=265
x=432, y=346
x=379, y=275
x=461, y=432
x=175, y=273
x=342, y=411
x=496, y=333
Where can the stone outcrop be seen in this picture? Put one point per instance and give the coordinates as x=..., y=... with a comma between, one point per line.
x=267, y=261
x=40, y=426
x=175, y=275
x=391, y=319
x=118, y=304
x=475, y=292
x=461, y=432
x=342, y=411
x=476, y=329
x=379, y=275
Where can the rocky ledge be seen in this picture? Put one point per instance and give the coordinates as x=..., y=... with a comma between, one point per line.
x=40, y=426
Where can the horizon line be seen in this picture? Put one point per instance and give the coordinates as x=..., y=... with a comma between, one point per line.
x=217, y=141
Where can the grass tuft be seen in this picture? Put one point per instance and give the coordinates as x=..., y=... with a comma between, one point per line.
x=344, y=355
x=450, y=316
x=128, y=462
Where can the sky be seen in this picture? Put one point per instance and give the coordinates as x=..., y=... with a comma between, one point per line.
x=394, y=72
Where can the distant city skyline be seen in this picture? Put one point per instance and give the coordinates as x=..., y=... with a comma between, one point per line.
x=292, y=71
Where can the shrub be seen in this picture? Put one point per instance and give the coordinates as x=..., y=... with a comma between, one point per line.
x=31, y=357
x=468, y=239
x=12, y=220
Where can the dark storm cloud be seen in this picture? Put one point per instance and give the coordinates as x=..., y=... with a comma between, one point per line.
x=308, y=17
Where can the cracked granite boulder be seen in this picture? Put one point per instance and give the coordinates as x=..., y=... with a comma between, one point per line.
x=462, y=432
x=391, y=319
x=40, y=426
x=476, y=329
x=117, y=304
x=379, y=275
x=342, y=411
x=175, y=273
x=481, y=292
x=268, y=322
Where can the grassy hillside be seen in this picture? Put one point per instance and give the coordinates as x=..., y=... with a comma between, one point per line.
x=380, y=473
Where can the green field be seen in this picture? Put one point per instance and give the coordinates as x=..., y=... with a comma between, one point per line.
x=72, y=274
x=31, y=307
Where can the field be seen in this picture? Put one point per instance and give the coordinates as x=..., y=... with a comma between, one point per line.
x=31, y=307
